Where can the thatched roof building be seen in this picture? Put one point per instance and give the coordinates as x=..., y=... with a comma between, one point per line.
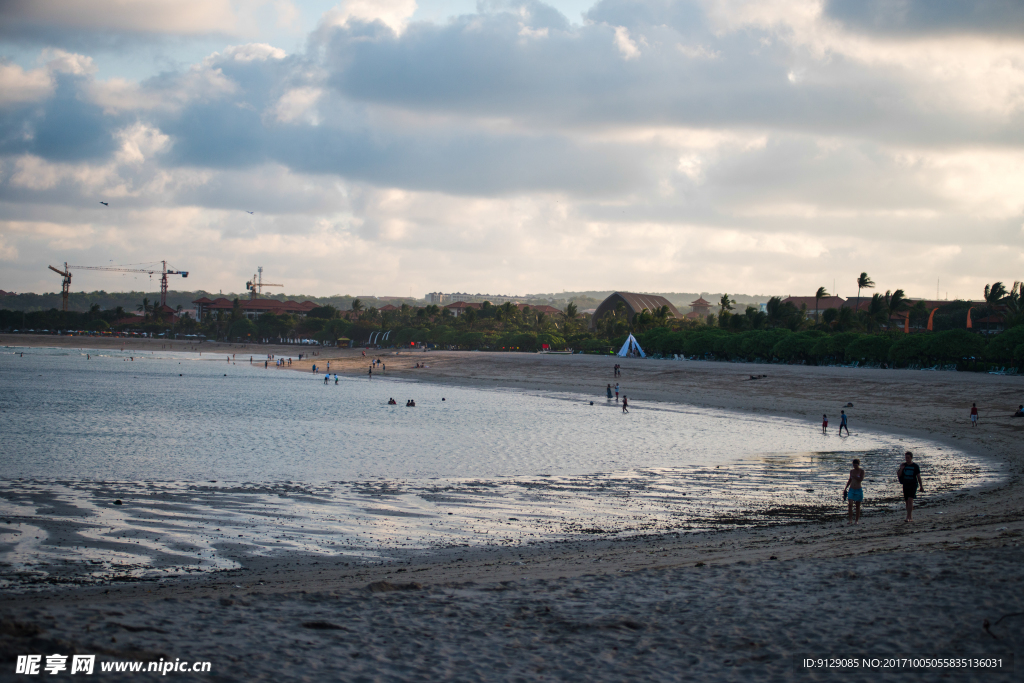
x=634, y=304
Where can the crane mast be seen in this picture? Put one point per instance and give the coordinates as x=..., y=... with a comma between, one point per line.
x=255, y=286
x=65, y=283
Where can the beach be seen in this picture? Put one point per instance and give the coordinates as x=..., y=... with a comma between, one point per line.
x=717, y=605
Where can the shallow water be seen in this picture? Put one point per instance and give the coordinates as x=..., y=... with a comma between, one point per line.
x=216, y=460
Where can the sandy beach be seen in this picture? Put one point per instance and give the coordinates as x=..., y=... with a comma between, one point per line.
x=725, y=605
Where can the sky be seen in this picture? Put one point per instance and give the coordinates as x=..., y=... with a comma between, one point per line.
x=398, y=147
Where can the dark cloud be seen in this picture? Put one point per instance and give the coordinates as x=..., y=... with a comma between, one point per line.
x=65, y=127
x=929, y=17
x=685, y=74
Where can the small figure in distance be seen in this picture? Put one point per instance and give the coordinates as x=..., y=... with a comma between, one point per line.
x=616, y=392
x=842, y=423
x=1020, y=411
x=824, y=424
x=392, y=402
x=609, y=391
x=327, y=378
x=909, y=474
x=974, y=414
x=625, y=404
x=854, y=492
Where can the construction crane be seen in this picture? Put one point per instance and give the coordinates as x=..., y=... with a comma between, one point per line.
x=163, y=272
x=255, y=286
x=66, y=284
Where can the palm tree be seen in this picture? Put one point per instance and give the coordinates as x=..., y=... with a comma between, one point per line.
x=508, y=311
x=725, y=304
x=662, y=315
x=894, y=303
x=820, y=294
x=357, y=305
x=1014, y=302
x=995, y=293
x=877, y=310
x=863, y=282
x=845, y=319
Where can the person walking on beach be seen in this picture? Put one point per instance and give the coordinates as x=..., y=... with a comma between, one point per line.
x=609, y=392
x=854, y=492
x=371, y=371
x=327, y=378
x=842, y=423
x=625, y=404
x=824, y=424
x=265, y=364
x=974, y=414
x=909, y=474
x=616, y=392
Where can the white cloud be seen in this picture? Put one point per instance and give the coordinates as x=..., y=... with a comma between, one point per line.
x=625, y=44
x=252, y=52
x=18, y=86
x=513, y=151
x=393, y=13
x=140, y=141
x=298, y=103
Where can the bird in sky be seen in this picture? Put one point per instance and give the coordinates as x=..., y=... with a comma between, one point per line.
x=249, y=212
x=104, y=204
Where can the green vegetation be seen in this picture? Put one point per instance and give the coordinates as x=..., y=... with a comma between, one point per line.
x=781, y=333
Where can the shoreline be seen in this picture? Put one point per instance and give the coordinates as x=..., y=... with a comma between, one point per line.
x=927, y=406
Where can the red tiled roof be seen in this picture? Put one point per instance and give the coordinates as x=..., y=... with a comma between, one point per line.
x=389, y=307
x=273, y=305
x=543, y=308
x=822, y=303
x=464, y=304
x=700, y=302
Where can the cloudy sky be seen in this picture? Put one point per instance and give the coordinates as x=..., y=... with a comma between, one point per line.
x=392, y=147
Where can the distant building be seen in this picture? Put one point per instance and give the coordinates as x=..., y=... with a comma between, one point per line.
x=699, y=309
x=816, y=307
x=3, y=293
x=441, y=298
x=543, y=308
x=252, y=308
x=634, y=303
x=460, y=307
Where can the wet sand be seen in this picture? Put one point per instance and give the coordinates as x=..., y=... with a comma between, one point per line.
x=612, y=609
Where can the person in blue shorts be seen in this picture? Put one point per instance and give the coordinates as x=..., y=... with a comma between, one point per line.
x=854, y=492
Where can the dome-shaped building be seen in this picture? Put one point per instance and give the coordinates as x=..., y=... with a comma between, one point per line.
x=634, y=304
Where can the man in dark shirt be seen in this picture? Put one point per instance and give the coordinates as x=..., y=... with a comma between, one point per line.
x=909, y=475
